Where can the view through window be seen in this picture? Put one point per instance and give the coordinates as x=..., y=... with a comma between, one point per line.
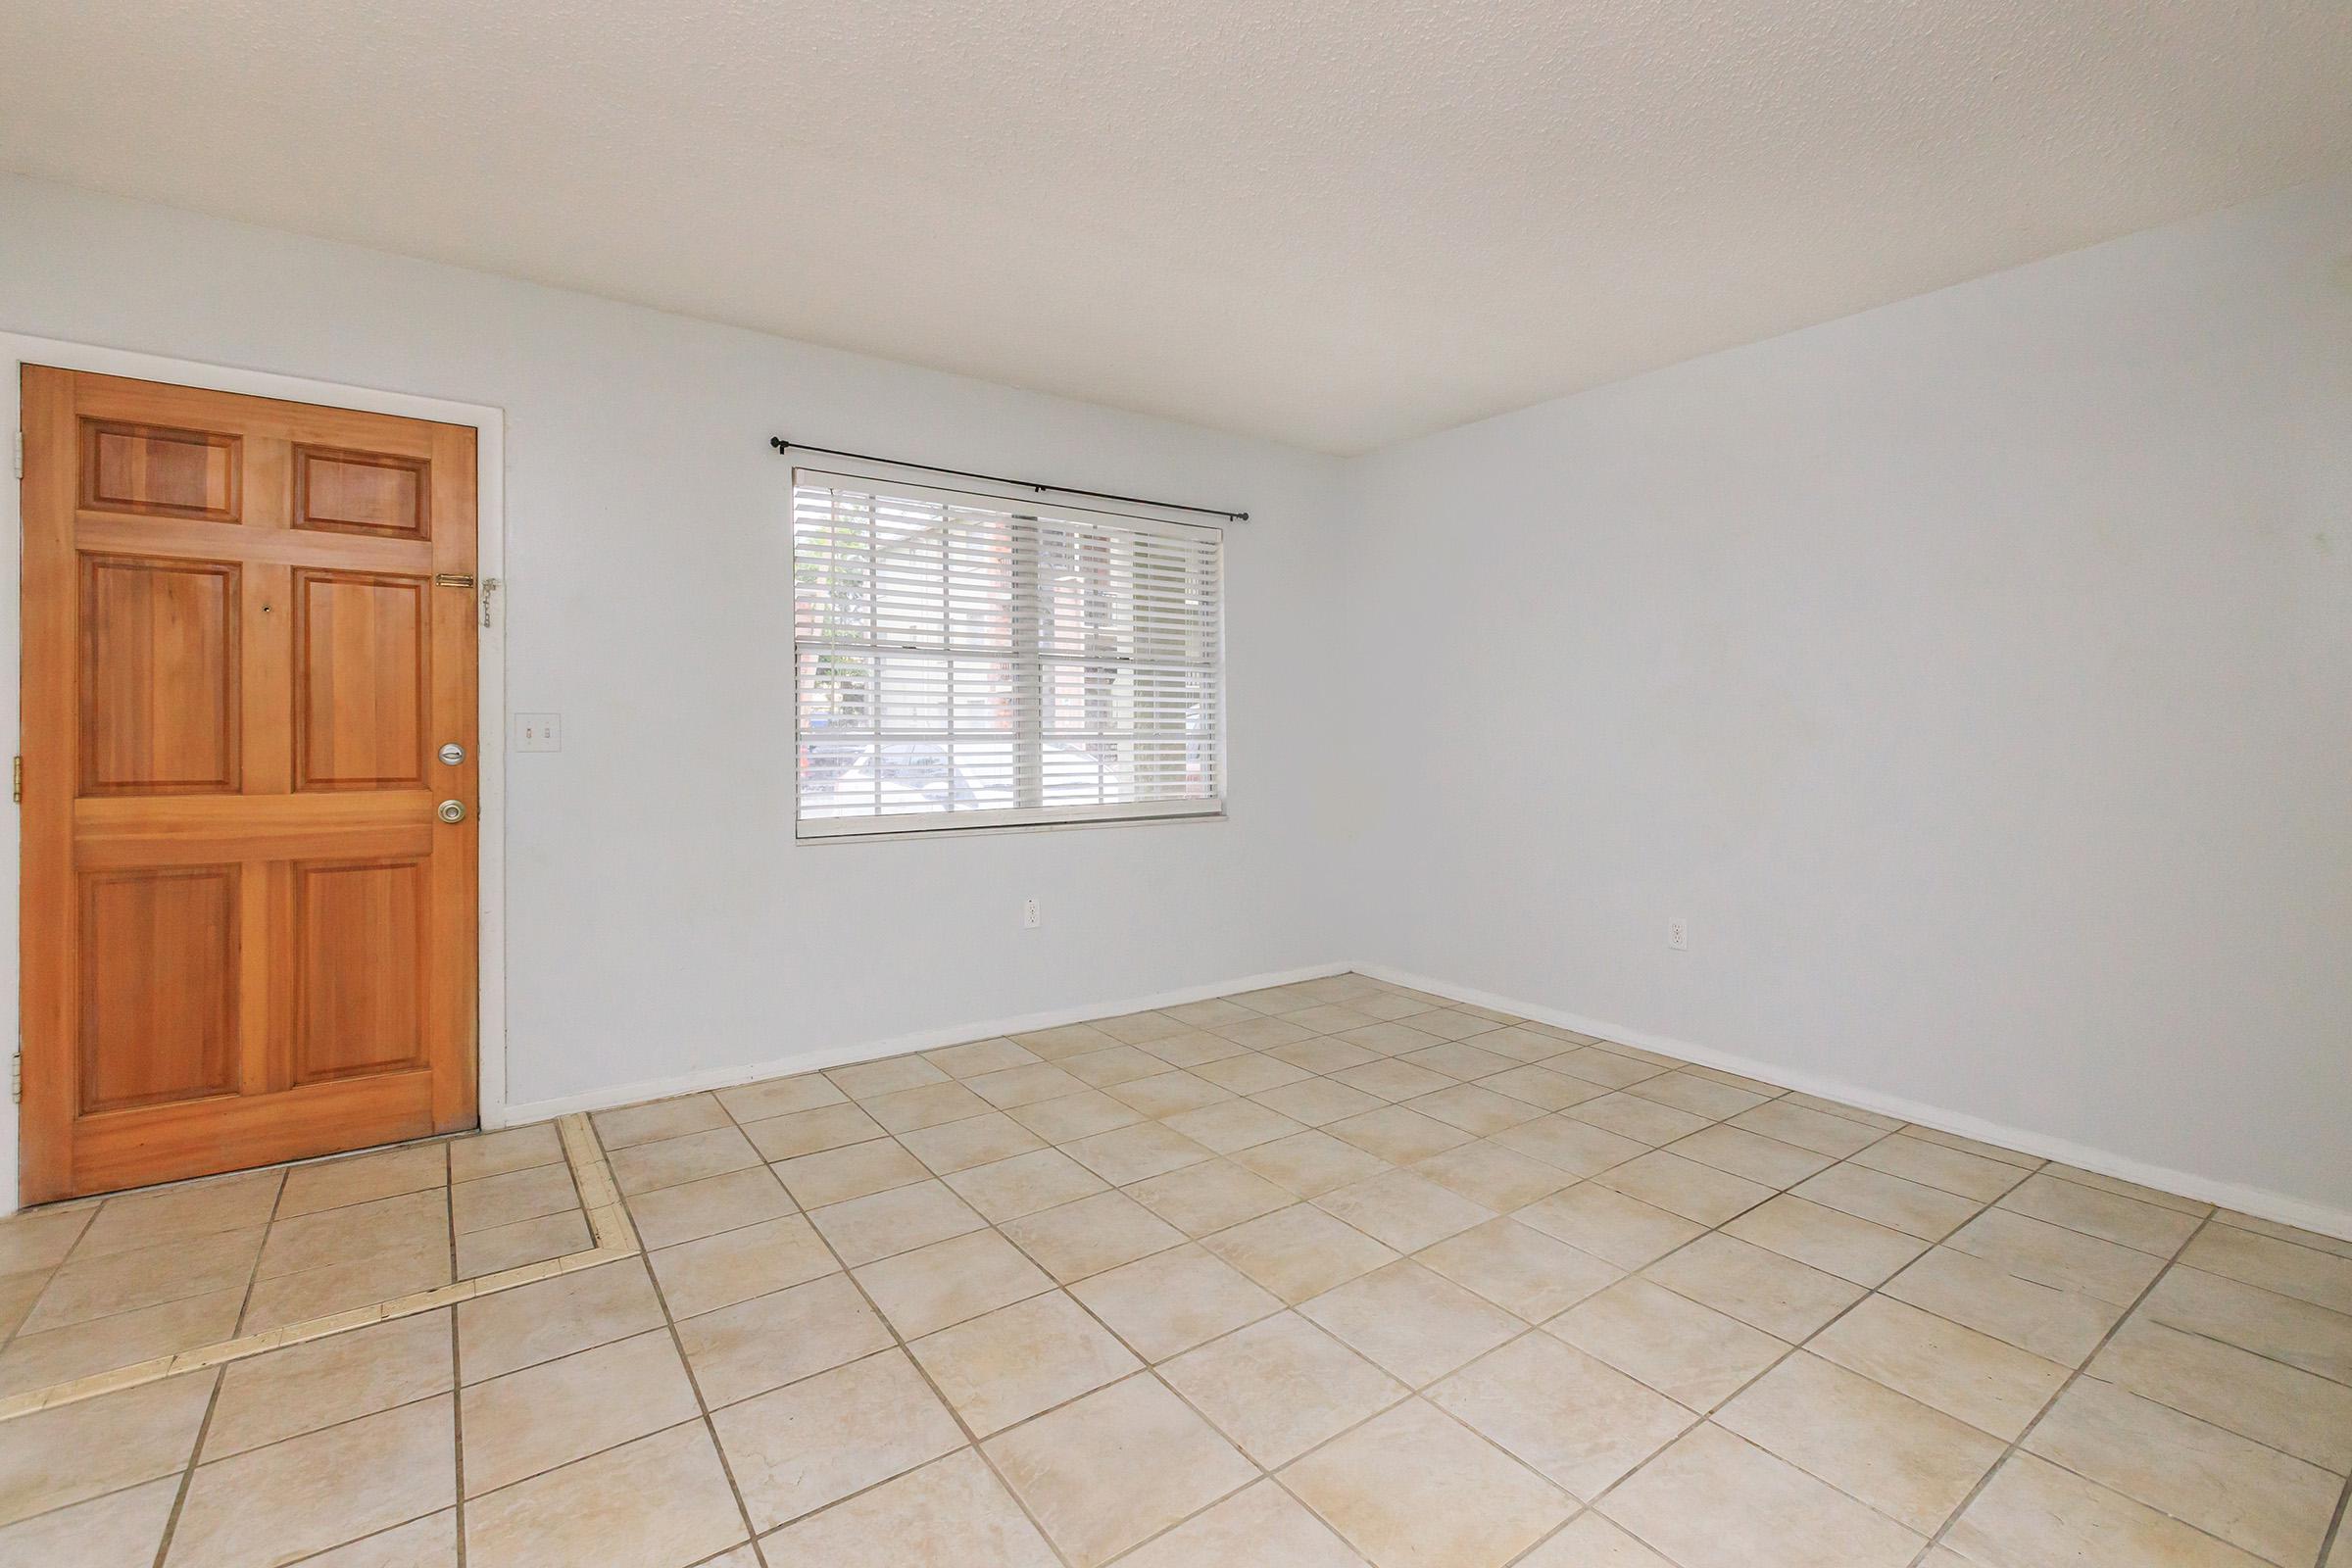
x=964, y=659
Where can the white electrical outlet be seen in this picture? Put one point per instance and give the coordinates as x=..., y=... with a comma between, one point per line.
x=1678, y=935
x=538, y=732
x=1031, y=915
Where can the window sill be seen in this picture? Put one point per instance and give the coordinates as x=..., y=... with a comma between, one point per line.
x=990, y=829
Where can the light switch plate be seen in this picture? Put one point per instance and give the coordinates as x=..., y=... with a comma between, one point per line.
x=538, y=732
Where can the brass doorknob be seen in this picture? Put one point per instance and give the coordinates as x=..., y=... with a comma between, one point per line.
x=453, y=811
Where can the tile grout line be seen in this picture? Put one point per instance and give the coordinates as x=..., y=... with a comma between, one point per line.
x=1144, y=1367
x=1706, y=1417
x=50, y=1273
x=898, y=1342
x=285, y=1172
x=1412, y=1392
x=504, y=1485
x=585, y=1129
x=374, y=1534
x=275, y=1442
x=619, y=1243
x=2011, y=1447
x=59, y=1265
x=187, y=1476
x=449, y=1220
x=2074, y=1376
x=2027, y=1173
x=266, y=1226
x=1149, y=1368
x=2170, y=1265
x=1986, y=1206
x=212, y=1403
x=2042, y=1167
x=196, y=1460
x=17, y=1336
x=1055, y=1286
x=2334, y=1535
x=1420, y=1391
x=2239, y=1350
x=457, y=1410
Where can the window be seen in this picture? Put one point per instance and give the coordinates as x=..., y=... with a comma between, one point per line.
x=968, y=660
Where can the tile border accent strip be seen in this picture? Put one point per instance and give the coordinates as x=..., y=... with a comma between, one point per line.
x=609, y=1224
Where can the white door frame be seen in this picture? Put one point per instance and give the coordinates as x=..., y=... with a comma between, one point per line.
x=489, y=424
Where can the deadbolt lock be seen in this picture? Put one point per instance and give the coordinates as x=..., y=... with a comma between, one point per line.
x=453, y=753
x=453, y=811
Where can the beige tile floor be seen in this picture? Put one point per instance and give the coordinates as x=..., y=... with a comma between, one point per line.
x=1332, y=1274
x=92, y=1286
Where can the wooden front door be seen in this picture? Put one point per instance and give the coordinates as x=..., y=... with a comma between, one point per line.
x=248, y=930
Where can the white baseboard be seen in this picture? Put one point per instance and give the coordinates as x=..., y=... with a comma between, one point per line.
x=896, y=1046
x=2256, y=1201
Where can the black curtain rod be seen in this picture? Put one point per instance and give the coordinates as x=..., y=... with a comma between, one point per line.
x=781, y=445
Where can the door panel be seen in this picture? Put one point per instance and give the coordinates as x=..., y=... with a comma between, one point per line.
x=160, y=696
x=159, y=986
x=163, y=473
x=360, y=936
x=360, y=492
x=362, y=680
x=247, y=936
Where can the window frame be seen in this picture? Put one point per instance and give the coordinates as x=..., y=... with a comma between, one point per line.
x=1027, y=742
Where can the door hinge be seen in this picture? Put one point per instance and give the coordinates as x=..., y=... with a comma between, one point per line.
x=20, y=453
x=16, y=782
x=16, y=1079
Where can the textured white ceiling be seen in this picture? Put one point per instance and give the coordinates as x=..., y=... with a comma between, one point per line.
x=1336, y=223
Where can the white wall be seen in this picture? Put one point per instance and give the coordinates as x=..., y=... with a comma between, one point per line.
x=1974, y=675
x=662, y=921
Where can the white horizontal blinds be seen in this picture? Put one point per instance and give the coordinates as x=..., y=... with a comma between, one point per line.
x=963, y=659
